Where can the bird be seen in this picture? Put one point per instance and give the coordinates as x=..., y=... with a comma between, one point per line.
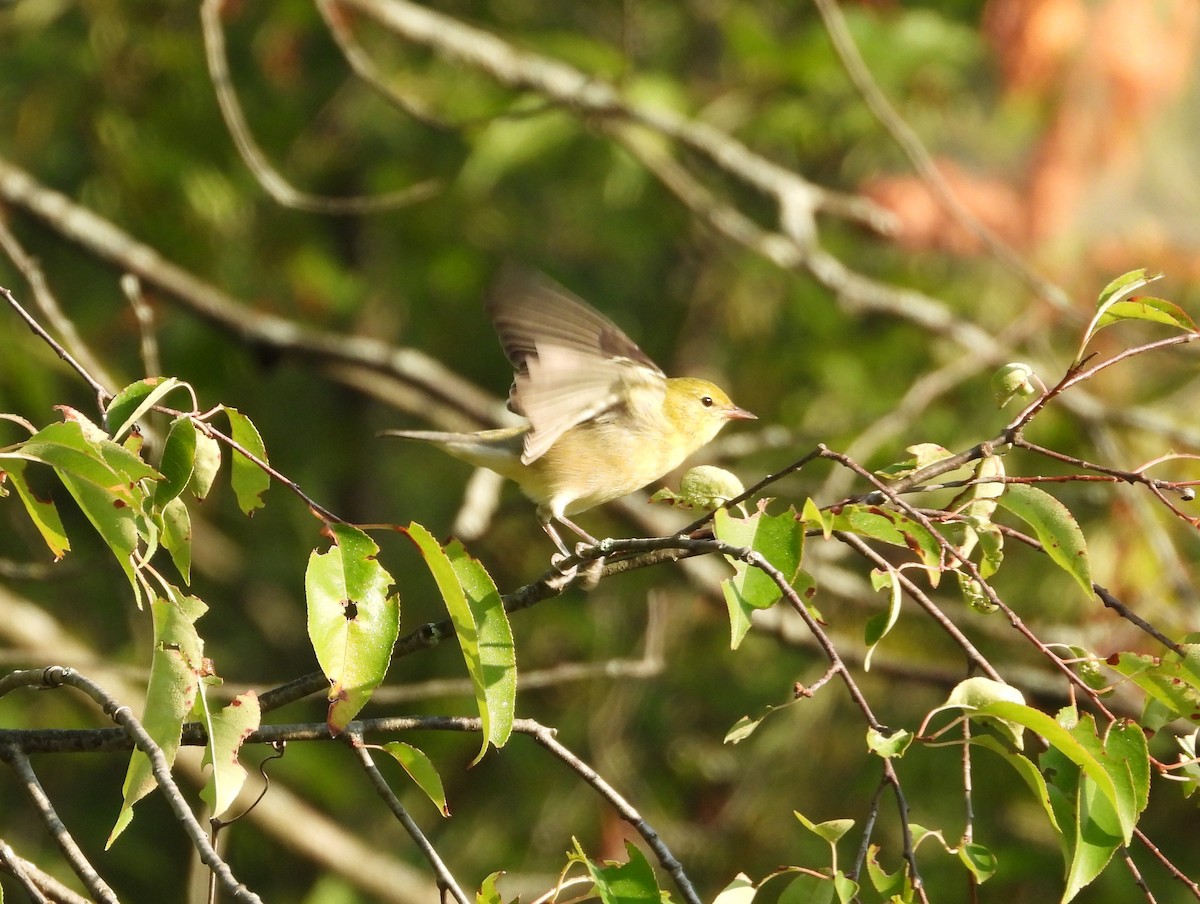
x=602, y=420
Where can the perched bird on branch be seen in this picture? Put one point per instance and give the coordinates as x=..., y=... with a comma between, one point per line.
x=603, y=419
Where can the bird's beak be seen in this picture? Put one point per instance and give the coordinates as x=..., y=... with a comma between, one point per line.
x=739, y=414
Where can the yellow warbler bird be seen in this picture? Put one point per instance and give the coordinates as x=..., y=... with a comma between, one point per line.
x=603, y=419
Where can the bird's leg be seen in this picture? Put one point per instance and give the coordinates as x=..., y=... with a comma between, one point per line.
x=591, y=575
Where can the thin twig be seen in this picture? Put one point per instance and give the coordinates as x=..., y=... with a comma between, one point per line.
x=102, y=394
x=15, y=866
x=87, y=874
x=445, y=878
x=57, y=676
x=902, y=133
x=272, y=182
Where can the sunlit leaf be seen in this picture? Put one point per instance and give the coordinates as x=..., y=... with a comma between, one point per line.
x=175, y=671
x=1055, y=528
x=353, y=622
x=132, y=403
x=228, y=728
x=879, y=624
x=42, y=512
x=482, y=628
x=249, y=480
x=632, y=882
x=421, y=770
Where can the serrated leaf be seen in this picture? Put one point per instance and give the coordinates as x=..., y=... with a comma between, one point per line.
x=1055, y=528
x=475, y=608
x=889, y=885
x=421, y=770
x=227, y=730
x=249, y=481
x=632, y=882
x=353, y=622
x=132, y=402
x=42, y=512
x=175, y=669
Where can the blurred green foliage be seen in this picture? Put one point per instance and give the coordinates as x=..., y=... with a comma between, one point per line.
x=111, y=104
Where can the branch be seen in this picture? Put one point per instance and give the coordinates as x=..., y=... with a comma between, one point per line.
x=56, y=676
x=87, y=874
x=446, y=880
x=268, y=177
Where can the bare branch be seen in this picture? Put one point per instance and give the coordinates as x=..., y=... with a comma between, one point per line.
x=87, y=874
x=446, y=880
x=268, y=177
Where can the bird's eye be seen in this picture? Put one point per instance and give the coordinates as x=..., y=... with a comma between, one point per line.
x=706, y=401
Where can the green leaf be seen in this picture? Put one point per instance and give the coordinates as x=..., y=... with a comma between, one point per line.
x=248, y=479
x=780, y=540
x=1111, y=295
x=923, y=455
x=978, y=859
x=893, y=886
x=352, y=621
x=114, y=519
x=631, y=882
x=739, y=891
x=482, y=629
x=1026, y=769
x=1171, y=681
x=227, y=730
x=488, y=892
x=876, y=522
x=205, y=465
x=847, y=888
x=1147, y=308
x=178, y=459
x=830, y=831
x=808, y=889
x=421, y=770
x=42, y=512
x=878, y=625
x=175, y=670
x=1055, y=528
x=177, y=536
x=1013, y=381
x=889, y=746
x=132, y=402
x=497, y=653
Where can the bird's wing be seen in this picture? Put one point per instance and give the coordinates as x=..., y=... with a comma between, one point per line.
x=572, y=363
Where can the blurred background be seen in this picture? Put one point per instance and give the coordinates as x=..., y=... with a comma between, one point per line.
x=1065, y=127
